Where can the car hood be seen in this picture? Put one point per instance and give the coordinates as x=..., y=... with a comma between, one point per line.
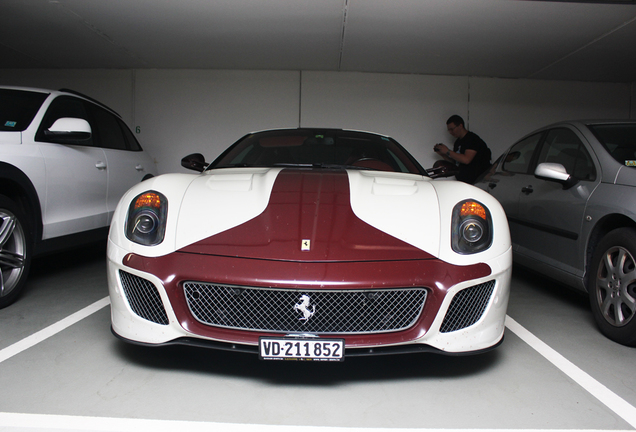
x=309, y=215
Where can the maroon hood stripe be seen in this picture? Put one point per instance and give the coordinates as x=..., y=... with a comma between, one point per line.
x=308, y=205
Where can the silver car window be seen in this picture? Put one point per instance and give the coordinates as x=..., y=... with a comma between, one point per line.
x=564, y=147
x=519, y=157
x=619, y=140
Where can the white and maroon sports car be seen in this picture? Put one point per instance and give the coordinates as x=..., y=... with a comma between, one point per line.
x=312, y=244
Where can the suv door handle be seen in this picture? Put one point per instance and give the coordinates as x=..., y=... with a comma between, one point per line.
x=100, y=165
x=527, y=190
x=139, y=167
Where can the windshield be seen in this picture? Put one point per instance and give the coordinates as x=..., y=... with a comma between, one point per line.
x=319, y=149
x=18, y=107
x=619, y=140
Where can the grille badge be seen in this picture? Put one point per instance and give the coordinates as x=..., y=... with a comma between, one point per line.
x=303, y=307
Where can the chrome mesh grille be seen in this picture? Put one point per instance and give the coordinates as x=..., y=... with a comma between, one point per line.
x=335, y=311
x=143, y=298
x=467, y=307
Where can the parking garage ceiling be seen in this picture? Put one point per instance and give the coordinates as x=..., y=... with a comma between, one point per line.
x=555, y=40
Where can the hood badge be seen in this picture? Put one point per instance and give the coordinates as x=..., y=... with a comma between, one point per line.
x=305, y=245
x=303, y=307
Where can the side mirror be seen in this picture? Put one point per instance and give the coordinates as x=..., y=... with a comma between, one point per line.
x=70, y=128
x=555, y=172
x=195, y=162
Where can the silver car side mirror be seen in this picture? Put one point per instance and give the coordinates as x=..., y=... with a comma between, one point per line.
x=555, y=172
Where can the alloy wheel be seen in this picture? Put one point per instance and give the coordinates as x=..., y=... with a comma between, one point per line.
x=616, y=286
x=13, y=248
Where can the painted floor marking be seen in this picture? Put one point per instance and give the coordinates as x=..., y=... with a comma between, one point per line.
x=53, y=329
x=11, y=422
x=610, y=399
x=17, y=421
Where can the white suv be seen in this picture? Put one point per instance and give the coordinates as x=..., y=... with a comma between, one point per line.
x=65, y=161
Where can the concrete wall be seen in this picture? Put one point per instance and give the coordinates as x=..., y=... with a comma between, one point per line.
x=177, y=112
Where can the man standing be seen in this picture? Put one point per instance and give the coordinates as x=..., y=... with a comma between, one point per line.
x=470, y=152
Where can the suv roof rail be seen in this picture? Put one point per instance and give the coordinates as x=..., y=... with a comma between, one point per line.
x=90, y=99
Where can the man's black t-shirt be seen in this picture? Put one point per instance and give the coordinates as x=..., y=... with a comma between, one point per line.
x=468, y=173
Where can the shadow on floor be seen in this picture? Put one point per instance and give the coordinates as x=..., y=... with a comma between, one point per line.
x=549, y=287
x=354, y=369
x=68, y=259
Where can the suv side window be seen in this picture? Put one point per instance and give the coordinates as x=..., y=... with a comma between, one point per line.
x=131, y=142
x=113, y=132
x=562, y=146
x=64, y=106
x=110, y=133
x=18, y=108
x=519, y=157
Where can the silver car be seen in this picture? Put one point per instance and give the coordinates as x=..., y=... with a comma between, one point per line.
x=569, y=193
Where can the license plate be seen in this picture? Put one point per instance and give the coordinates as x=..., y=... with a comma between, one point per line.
x=301, y=349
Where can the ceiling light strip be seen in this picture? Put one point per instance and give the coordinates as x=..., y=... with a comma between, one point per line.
x=345, y=11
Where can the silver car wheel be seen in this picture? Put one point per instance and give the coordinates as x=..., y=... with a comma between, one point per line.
x=13, y=248
x=616, y=286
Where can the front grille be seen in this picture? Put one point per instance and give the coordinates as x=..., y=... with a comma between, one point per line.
x=467, y=307
x=143, y=298
x=327, y=311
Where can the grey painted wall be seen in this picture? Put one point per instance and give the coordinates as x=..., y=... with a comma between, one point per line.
x=176, y=112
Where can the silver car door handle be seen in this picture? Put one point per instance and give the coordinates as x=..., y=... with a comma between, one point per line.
x=100, y=165
x=139, y=167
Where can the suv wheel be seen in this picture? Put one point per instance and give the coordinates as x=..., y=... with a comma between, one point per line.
x=15, y=251
x=612, y=286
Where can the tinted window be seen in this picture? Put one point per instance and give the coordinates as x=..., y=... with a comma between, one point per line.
x=619, y=140
x=131, y=141
x=64, y=106
x=519, y=158
x=330, y=148
x=18, y=107
x=563, y=146
x=109, y=131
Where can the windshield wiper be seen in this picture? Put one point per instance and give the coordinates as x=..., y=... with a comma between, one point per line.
x=294, y=165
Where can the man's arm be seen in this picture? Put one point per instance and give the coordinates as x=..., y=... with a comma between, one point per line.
x=465, y=158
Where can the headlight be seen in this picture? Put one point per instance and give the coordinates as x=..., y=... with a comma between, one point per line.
x=472, y=227
x=146, y=222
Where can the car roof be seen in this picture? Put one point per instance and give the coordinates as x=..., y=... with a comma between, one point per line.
x=323, y=129
x=586, y=122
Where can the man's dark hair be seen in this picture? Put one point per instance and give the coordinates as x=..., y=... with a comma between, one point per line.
x=456, y=120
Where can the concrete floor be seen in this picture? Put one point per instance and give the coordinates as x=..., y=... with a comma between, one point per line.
x=83, y=378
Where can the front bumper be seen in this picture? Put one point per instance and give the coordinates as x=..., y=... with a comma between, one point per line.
x=165, y=276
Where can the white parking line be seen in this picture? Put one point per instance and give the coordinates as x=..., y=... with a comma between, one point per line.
x=52, y=330
x=16, y=421
x=610, y=399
